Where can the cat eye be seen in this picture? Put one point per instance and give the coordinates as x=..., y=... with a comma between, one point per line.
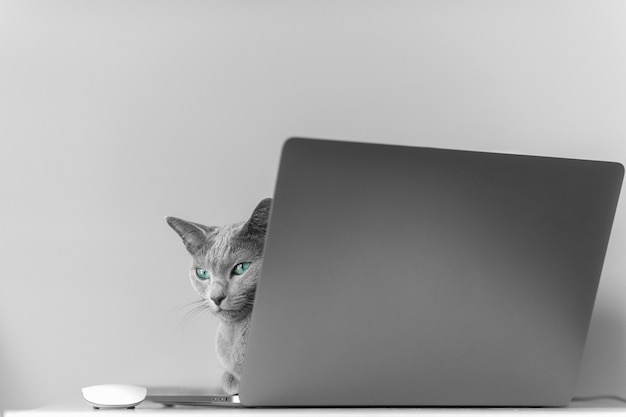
x=202, y=273
x=241, y=268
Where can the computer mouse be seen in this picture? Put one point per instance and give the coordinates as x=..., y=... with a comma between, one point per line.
x=114, y=395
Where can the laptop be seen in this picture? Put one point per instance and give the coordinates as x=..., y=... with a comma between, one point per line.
x=411, y=276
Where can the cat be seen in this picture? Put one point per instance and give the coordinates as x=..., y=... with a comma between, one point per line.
x=226, y=264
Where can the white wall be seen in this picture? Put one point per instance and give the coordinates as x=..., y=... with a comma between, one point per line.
x=114, y=114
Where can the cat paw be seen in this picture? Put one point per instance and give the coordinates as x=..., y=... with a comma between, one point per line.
x=230, y=383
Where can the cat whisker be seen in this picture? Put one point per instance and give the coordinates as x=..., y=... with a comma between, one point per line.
x=197, y=307
x=177, y=309
x=242, y=302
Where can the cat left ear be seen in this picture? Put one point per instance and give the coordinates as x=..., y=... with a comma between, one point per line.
x=257, y=223
x=194, y=235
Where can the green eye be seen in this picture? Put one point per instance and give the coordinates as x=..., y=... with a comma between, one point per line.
x=202, y=273
x=241, y=268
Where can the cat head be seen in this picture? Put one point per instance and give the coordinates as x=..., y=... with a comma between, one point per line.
x=226, y=261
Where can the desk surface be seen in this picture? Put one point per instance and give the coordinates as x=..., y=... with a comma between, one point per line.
x=78, y=408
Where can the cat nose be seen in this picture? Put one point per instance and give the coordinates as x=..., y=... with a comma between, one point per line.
x=217, y=299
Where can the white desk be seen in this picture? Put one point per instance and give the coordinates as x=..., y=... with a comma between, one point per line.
x=78, y=408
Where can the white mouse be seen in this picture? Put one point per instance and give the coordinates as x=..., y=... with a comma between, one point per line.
x=114, y=395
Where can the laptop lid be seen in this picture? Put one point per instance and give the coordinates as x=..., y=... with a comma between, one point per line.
x=405, y=276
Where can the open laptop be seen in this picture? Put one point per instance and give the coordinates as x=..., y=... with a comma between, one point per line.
x=407, y=276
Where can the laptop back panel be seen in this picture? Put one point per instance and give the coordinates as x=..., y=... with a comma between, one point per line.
x=401, y=276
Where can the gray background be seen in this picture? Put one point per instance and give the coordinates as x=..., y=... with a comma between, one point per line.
x=116, y=114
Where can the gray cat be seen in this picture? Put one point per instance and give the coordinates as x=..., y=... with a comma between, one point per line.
x=224, y=272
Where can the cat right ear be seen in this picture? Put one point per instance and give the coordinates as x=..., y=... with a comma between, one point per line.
x=194, y=235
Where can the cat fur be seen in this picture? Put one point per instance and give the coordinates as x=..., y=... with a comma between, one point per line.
x=218, y=249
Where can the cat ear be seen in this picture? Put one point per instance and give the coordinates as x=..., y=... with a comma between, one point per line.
x=257, y=223
x=194, y=235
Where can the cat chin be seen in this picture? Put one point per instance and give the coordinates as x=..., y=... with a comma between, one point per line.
x=229, y=315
